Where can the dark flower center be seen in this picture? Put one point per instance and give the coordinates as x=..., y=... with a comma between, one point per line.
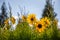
x=39, y=26
x=32, y=19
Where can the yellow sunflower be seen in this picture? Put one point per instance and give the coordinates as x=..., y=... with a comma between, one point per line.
x=31, y=18
x=40, y=26
x=24, y=18
x=46, y=21
x=12, y=20
x=6, y=21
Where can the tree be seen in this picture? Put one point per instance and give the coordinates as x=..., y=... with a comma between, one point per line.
x=3, y=15
x=49, y=10
x=10, y=11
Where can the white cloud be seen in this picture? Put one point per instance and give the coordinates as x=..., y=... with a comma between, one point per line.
x=15, y=17
x=58, y=24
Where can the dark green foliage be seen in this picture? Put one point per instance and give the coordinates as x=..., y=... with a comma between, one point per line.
x=49, y=11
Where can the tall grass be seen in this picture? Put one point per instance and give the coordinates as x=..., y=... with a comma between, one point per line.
x=24, y=32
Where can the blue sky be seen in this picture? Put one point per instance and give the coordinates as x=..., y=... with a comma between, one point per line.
x=33, y=6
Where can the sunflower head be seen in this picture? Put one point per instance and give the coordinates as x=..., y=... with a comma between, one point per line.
x=24, y=18
x=31, y=18
x=12, y=20
x=40, y=26
x=6, y=21
x=46, y=21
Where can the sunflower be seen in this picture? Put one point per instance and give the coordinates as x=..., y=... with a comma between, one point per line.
x=46, y=21
x=40, y=26
x=12, y=20
x=24, y=18
x=6, y=21
x=31, y=18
